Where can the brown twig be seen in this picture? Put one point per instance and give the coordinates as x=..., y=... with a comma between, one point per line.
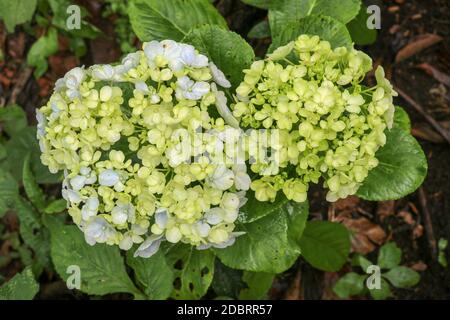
x=427, y=223
x=427, y=117
x=20, y=84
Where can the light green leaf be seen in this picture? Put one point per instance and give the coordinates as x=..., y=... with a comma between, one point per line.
x=22, y=286
x=401, y=119
x=402, y=277
x=260, y=30
x=171, y=19
x=327, y=28
x=14, y=12
x=256, y=251
x=351, y=284
x=32, y=189
x=383, y=293
x=193, y=270
x=361, y=35
x=402, y=165
x=228, y=50
x=33, y=233
x=325, y=245
x=18, y=147
x=40, y=50
x=258, y=283
x=361, y=261
x=13, y=119
x=389, y=256
x=287, y=12
x=56, y=206
x=101, y=266
x=9, y=191
x=154, y=274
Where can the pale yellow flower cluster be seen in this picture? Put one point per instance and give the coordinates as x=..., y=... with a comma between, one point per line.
x=144, y=161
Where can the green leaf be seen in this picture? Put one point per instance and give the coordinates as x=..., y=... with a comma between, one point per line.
x=361, y=35
x=383, y=293
x=32, y=189
x=171, y=19
x=351, y=284
x=154, y=274
x=227, y=281
x=402, y=277
x=325, y=245
x=287, y=12
x=401, y=119
x=60, y=16
x=22, y=286
x=101, y=266
x=33, y=233
x=402, y=165
x=56, y=206
x=389, y=256
x=256, y=251
x=361, y=261
x=193, y=270
x=9, y=191
x=14, y=12
x=327, y=28
x=40, y=50
x=13, y=119
x=258, y=283
x=228, y=50
x=260, y=30
x=18, y=147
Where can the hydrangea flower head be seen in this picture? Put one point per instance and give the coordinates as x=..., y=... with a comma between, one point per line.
x=140, y=150
x=329, y=125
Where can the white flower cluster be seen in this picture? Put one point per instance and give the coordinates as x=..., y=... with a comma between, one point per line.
x=144, y=161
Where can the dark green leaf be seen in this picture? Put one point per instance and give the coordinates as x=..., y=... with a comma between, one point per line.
x=260, y=30
x=33, y=233
x=18, y=147
x=32, y=189
x=13, y=119
x=402, y=165
x=361, y=35
x=193, y=270
x=258, y=283
x=102, y=267
x=9, y=191
x=228, y=50
x=171, y=19
x=256, y=251
x=227, y=281
x=154, y=274
x=361, y=261
x=325, y=245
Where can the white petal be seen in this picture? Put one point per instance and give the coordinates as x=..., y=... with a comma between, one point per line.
x=218, y=76
x=108, y=178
